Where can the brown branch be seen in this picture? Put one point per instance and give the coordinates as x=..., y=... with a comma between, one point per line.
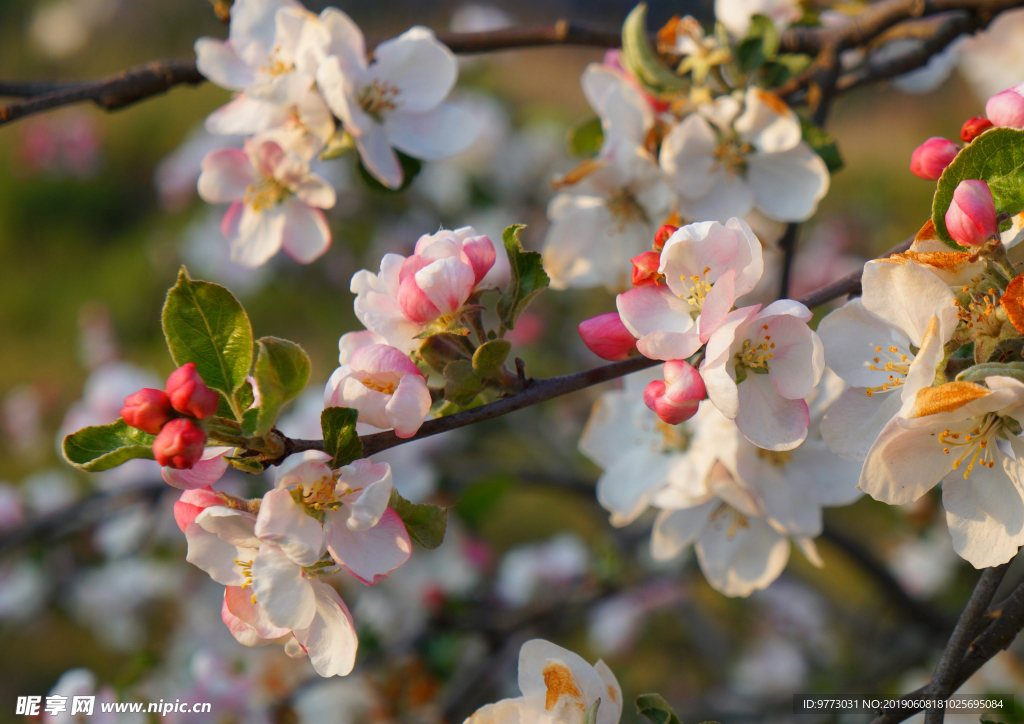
x=142, y=82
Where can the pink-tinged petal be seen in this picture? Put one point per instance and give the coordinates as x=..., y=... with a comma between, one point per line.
x=1006, y=109
x=245, y=115
x=369, y=555
x=415, y=304
x=351, y=341
x=283, y=521
x=653, y=309
x=306, y=234
x=238, y=602
x=218, y=61
x=233, y=526
x=767, y=419
x=668, y=411
x=229, y=225
x=412, y=265
x=606, y=336
x=794, y=368
x=717, y=304
x=447, y=283
x=305, y=469
x=226, y=173
x=684, y=382
x=367, y=490
x=315, y=191
x=370, y=403
x=330, y=640
x=379, y=358
x=668, y=345
x=409, y=405
x=281, y=588
x=210, y=468
x=192, y=503
x=210, y=553
x=265, y=156
x=242, y=631
x=930, y=159
x=971, y=217
x=260, y=235
x=481, y=253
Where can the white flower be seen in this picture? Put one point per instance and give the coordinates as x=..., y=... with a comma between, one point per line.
x=395, y=102
x=735, y=15
x=558, y=687
x=747, y=156
x=885, y=345
x=705, y=266
x=966, y=436
x=382, y=383
x=275, y=202
x=615, y=202
x=758, y=368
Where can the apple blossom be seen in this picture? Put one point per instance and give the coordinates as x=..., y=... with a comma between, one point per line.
x=1006, y=109
x=362, y=534
x=210, y=468
x=731, y=158
x=971, y=217
x=193, y=502
x=606, y=336
x=188, y=393
x=147, y=410
x=275, y=202
x=886, y=346
x=966, y=436
x=930, y=159
x=974, y=127
x=179, y=444
x=677, y=397
x=383, y=384
x=706, y=266
x=758, y=367
x=558, y=687
x=397, y=101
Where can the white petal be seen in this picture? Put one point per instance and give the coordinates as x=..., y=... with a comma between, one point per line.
x=907, y=296
x=281, y=588
x=369, y=555
x=729, y=195
x=239, y=602
x=421, y=68
x=851, y=335
x=378, y=158
x=259, y=237
x=561, y=679
x=226, y=174
x=432, y=135
x=853, y=422
x=375, y=482
x=767, y=122
x=787, y=186
x=330, y=640
x=218, y=61
x=245, y=115
x=234, y=526
x=739, y=562
x=687, y=156
x=314, y=191
x=409, y=406
x=767, y=419
x=283, y=521
x=306, y=235
x=645, y=310
x=215, y=556
x=904, y=464
x=676, y=529
x=625, y=488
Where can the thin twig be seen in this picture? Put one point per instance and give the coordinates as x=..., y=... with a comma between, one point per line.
x=967, y=628
x=788, y=245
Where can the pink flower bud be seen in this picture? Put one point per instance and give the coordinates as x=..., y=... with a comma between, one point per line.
x=147, y=410
x=974, y=127
x=662, y=235
x=180, y=444
x=645, y=269
x=930, y=159
x=481, y=254
x=415, y=304
x=1006, y=109
x=678, y=397
x=192, y=503
x=971, y=218
x=606, y=336
x=189, y=394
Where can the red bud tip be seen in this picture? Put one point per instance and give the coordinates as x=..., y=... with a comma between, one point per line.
x=189, y=394
x=147, y=410
x=645, y=269
x=180, y=444
x=662, y=234
x=606, y=336
x=974, y=127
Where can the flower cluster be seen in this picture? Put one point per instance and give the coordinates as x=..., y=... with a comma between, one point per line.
x=707, y=143
x=297, y=75
x=174, y=416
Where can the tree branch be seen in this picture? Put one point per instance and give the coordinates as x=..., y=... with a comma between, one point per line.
x=157, y=77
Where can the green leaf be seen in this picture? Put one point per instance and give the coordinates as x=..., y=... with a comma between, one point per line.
x=527, y=281
x=490, y=356
x=978, y=373
x=655, y=709
x=461, y=383
x=95, y=449
x=337, y=145
x=440, y=349
x=246, y=464
x=426, y=523
x=281, y=372
x=782, y=67
x=996, y=157
x=585, y=139
x=410, y=169
x=640, y=57
x=249, y=419
x=341, y=441
x=823, y=144
x=205, y=324
x=760, y=44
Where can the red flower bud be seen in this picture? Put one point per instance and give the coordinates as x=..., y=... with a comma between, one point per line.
x=147, y=410
x=606, y=336
x=974, y=127
x=180, y=444
x=645, y=269
x=678, y=397
x=662, y=234
x=189, y=394
x=192, y=503
x=971, y=218
x=930, y=159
